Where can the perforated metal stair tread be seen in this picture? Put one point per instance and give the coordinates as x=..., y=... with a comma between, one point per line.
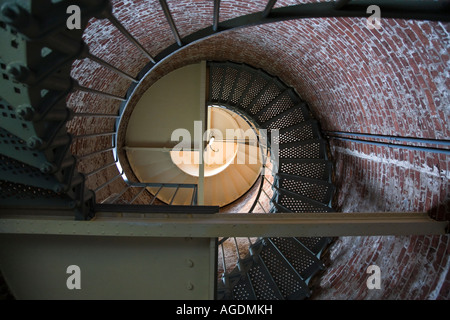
x=288, y=118
x=309, y=149
x=288, y=280
x=314, y=244
x=262, y=282
x=310, y=168
x=298, y=203
x=21, y=196
x=304, y=261
x=243, y=289
x=318, y=190
x=19, y=172
x=308, y=130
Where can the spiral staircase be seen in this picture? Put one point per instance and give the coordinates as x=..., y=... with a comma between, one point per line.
x=39, y=172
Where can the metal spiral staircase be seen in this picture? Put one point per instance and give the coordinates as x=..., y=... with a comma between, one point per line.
x=277, y=268
x=39, y=172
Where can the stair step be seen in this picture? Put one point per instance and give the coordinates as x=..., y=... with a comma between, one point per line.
x=216, y=74
x=318, y=190
x=307, y=130
x=319, y=169
x=288, y=280
x=16, y=148
x=276, y=208
x=284, y=101
x=243, y=81
x=269, y=93
x=18, y=172
x=309, y=149
x=315, y=244
x=304, y=261
x=297, y=203
x=231, y=74
x=22, y=196
x=288, y=118
x=262, y=281
x=254, y=89
x=243, y=289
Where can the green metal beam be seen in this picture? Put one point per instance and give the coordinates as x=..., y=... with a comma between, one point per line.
x=231, y=225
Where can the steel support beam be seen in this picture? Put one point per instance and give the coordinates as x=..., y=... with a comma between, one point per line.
x=111, y=268
x=234, y=225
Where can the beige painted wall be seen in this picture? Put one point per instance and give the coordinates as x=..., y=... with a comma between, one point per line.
x=171, y=103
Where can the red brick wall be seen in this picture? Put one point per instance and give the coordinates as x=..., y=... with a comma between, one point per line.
x=392, y=81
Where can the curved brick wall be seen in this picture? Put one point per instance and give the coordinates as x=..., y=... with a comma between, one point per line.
x=392, y=81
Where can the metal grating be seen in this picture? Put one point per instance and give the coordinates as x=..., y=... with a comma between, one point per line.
x=11, y=122
x=288, y=281
x=305, y=131
x=315, y=169
x=317, y=190
x=17, y=195
x=18, y=172
x=243, y=289
x=314, y=244
x=242, y=83
x=255, y=87
x=230, y=78
x=215, y=75
x=302, y=150
x=283, y=103
x=296, y=203
x=301, y=259
x=263, y=285
x=289, y=118
x=269, y=94
x=15, y=148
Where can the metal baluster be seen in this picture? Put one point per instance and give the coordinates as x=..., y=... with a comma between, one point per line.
x=110, y=67
x=174, y=195
x=94, y=153
x=154, y=197
x=223, y=260
x=91, y=135
x=120, y=194
x=169, y=18
x=194, y=196
x=216, y=15
x=101, y=93
x=100, y=169
x=108, y=15
x=237, y=249
x=137, y=196
x=95, y=115
x=108, y=182
x=262, y=207
x=268, y=8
